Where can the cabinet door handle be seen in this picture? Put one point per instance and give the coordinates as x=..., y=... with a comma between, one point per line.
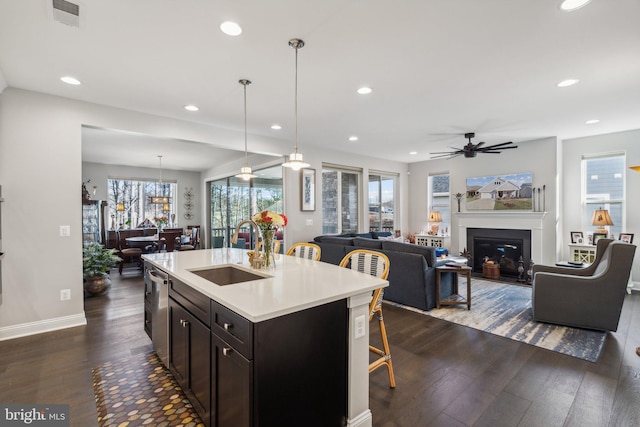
x=184, y=323
x=227, y=326
x=147, y=293
x=226, y=351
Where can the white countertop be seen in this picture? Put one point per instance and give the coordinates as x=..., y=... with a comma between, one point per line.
x=294, y=285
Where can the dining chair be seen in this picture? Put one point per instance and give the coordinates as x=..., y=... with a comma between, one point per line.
x=304, y=250
x=125, y=252
x=376, y=264
x=191, y=241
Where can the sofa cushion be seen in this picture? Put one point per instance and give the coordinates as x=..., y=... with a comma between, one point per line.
x=379, y=234
x=345, y=241
x=428, y=252
x=362, y=242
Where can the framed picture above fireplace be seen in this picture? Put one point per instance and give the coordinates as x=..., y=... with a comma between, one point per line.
x=500, y=192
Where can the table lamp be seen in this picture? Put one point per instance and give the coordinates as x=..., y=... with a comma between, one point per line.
x=434, y=216
x=601, y=218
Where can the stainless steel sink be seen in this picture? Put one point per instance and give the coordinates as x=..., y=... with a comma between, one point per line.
x=227, y=275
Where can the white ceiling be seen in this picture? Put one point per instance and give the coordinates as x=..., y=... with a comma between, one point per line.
x=438, y=68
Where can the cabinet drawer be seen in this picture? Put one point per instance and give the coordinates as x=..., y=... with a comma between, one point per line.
x=198, y=304
x=233, y=328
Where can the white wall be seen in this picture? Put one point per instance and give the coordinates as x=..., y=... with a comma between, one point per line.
x=99, y=173
x=41, y=175
x=573, y=150
x=525, y=159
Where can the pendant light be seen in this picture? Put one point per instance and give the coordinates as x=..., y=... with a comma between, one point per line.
x=245, y=171
x=295, y=161
x=159, y=199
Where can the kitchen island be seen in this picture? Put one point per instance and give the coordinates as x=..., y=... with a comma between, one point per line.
x=287, y=346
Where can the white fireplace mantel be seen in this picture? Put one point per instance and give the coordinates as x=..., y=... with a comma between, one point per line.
x=504, y=220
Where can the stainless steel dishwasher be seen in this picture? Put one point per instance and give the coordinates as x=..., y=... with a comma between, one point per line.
x=159, y=312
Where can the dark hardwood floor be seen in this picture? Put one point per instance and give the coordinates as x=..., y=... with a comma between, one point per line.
x=447, y=375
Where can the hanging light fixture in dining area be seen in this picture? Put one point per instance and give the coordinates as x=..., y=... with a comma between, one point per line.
x=245, y=171
x=159, y=199
x=295, y=160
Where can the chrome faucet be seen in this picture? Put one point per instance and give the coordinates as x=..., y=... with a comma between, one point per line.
x=256, y=236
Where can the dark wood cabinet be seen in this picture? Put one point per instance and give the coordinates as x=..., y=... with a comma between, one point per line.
x=190, y=357
x=287, y=371
x=231, y=386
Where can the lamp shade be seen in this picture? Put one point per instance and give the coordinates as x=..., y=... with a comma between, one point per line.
x=600, y=219
x=120, y=207
x=434, y=216
x=635, y=168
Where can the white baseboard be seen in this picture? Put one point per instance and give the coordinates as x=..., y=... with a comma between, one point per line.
x=48, y=325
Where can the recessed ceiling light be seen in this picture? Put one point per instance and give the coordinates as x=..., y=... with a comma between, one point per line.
x=353, y=138
x=568, y=82
x=276, y=127
x=413, y=153
x=70, y=80
x=191, y=107
x=230, y=28
x=569, y=5
x=592, y=121
x=364, y=90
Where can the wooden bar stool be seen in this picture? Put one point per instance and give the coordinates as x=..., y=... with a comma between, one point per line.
x=376, y=264
x=305, y=250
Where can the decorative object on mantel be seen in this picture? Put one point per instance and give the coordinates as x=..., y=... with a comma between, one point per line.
x=466, y=254
x=539, y=198
x=459, y=196
x=626, y=237
x=510, y=192
x=471, y=150
x=188, y=196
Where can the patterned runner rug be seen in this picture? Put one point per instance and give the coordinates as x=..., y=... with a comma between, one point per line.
x=140, y=391
x=505, y=310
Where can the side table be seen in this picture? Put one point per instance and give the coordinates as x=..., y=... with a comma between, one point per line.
x=456, y=298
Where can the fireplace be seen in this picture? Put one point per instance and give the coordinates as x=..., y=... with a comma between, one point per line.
x=502, y=246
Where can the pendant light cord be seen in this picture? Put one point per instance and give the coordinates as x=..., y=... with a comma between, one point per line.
x=296, y=102
x=246, y=156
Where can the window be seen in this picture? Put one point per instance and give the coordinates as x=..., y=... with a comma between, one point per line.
x=381, y=202
x=440, y=200
x=129, y=201
x=603, y=187
x=340, y=199
x=233, y=200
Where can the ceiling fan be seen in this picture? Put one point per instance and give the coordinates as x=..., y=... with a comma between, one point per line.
x=471, y=149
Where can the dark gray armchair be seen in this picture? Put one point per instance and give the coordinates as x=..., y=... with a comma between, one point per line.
x=589, y=297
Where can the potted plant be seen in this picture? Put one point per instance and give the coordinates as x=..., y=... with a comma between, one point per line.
x=97, y=261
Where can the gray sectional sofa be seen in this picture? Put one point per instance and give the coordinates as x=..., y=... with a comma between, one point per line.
x=412, y=275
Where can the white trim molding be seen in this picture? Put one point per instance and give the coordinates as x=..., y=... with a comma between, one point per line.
x=48, y=325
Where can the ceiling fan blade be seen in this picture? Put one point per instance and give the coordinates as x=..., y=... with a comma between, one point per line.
x=475, y=147
x=498, y=145
x=497, y=148
x=440, y=156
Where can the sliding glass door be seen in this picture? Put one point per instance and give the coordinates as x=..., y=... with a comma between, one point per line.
x=233, y=200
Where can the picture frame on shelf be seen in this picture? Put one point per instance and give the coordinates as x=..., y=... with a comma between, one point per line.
x=308, y=190
x=598, y=236
x=626, y=237
x=577, y=237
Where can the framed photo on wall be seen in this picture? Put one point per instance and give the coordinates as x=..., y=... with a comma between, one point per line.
x=626, y=237
x=577, y=237
x=598, y=236
x=308, y=190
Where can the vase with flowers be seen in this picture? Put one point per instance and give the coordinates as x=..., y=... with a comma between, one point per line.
x=161, y=223
x=268, y=222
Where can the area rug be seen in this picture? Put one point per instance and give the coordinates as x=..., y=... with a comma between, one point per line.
x=140, y=391
x=505, y=310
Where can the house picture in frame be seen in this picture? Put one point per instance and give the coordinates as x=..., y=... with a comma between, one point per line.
x=308, y=190
x=500, y=192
